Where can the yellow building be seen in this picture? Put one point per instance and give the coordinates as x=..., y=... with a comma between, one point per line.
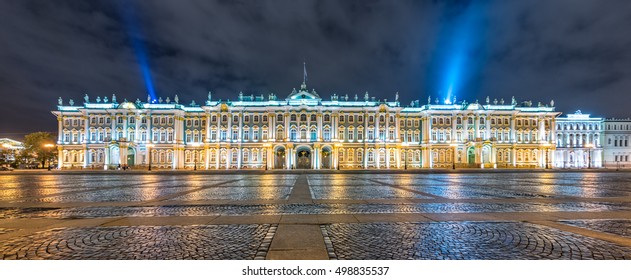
x=303, y=131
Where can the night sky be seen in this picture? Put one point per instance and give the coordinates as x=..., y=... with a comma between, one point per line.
x=577, y=52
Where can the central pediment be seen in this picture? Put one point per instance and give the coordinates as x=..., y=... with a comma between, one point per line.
x=303, y=94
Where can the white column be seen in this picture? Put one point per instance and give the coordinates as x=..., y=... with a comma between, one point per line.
x=59, y=129
x=512, y=129
x=320, y=128
x=239, y=157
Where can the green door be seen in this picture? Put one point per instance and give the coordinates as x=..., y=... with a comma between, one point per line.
x=131, y=157
x=471, y=155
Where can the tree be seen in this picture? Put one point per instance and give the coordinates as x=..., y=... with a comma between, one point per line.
x=34, y=146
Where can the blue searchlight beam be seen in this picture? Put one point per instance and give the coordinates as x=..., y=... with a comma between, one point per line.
x=134, y=33
x=459, y=44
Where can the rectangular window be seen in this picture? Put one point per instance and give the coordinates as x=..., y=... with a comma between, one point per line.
x=350, y=135
x=360, y=118
x=256, y=118
x=246, y=135
x=255, y=134
x=351, y=118
x=264, y=118
x=247, y=118
x=360, y=135
x=342, y=118
x=264, y=134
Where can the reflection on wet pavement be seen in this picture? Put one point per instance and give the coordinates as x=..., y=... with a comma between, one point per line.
x=618, y=227
x=291, y=209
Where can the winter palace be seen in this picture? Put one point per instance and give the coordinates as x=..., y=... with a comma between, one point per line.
x=304, y=131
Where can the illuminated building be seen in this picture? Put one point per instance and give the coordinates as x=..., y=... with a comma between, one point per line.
x=303, y=131
x=579, y=143
x=9, y=148
x=616, y=143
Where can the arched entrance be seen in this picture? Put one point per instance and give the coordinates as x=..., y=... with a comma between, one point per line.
x=279, y=158
x=114, y=155
x=486, y=154
x=471, y=156
x=131, y=156
x=326, y=158
x=303, y=157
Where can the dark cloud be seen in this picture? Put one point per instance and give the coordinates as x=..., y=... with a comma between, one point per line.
x=572, y=51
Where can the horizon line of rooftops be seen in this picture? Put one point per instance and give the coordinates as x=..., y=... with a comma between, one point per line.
x=302, y=97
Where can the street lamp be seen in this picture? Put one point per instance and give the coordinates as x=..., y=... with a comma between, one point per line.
x=267, y=146
x=453, y=161
x=589, y=155
x=405, y=156
x=149, y=154
x=195, y=154
x=48, y=146
x=547, y=149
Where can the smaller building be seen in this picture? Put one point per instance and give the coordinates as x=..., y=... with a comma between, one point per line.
x=616, y=143
x=9, y=149
x=579, y=141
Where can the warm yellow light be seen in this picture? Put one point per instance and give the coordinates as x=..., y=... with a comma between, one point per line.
x=49, y=145
x=149, y=145
x=589, y=145
x=7, y=146
x=453, y=145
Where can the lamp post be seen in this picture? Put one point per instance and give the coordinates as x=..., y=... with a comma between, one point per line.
x=267, y=146
x=453, y=161
x=547, y=149
x=149, y=155
x=589, y=155
x=195, y=154
x=405, y=156
x=48, y=146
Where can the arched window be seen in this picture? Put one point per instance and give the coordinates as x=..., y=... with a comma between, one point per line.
x=303, y=133
x=327, y=134
x=246, y=155
x=292, y=134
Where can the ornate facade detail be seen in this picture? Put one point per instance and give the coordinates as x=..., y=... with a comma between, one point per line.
x=305, y=131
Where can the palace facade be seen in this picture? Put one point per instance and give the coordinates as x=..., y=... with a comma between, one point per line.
x=303, y=131
x=616, y=143
x=579, y=142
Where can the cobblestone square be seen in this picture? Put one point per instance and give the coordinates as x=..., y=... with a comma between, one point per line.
x=335, y=215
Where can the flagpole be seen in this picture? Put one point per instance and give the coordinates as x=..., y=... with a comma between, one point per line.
x=304, y=78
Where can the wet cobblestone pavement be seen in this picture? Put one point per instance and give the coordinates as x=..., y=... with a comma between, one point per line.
x=232, y=242
x=618, y=227
x=502, y=215
x=292, y=209
x=466, y=240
